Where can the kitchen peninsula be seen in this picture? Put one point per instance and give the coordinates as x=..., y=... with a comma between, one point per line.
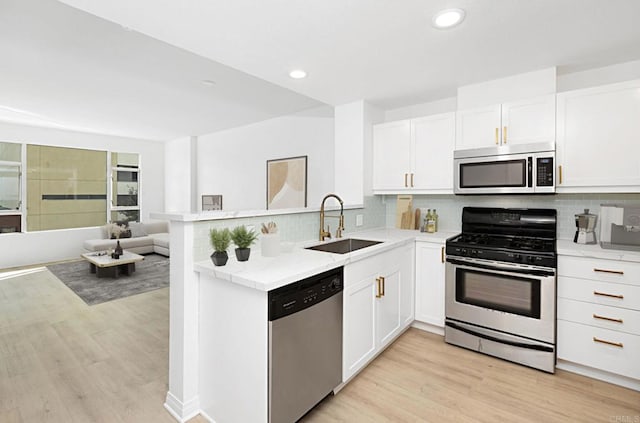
x=218, y=318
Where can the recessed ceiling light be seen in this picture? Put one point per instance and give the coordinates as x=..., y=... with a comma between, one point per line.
x=208, y=82
x=297, y=74
x=447, y=18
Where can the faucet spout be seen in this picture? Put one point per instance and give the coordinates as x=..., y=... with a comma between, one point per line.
x=326, y=233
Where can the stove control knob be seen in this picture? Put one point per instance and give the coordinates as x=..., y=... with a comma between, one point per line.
x=531, y=259
x=464, y=251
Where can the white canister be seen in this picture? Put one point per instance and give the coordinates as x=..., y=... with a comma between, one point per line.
x=270, y=244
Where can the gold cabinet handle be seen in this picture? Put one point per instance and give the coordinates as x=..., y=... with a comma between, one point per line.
x=378, y=288
x=497, y=136
x=602, y=341
x=382, y=279
x=616, y=272
x=610, y=319
x=412, y=180
x=604, y=294
x=559, y=174
x=405, y=180
x=504, y=135
x=442, y=254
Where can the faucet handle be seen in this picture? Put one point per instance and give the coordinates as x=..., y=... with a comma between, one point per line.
x=328, y=233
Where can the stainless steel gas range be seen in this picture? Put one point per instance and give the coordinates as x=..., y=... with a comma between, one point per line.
x=501, y=285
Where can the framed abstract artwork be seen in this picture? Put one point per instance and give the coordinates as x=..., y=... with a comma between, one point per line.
x=287, y=183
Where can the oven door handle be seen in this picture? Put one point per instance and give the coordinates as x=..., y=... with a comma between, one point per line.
x=501, y=341
x=476, y=264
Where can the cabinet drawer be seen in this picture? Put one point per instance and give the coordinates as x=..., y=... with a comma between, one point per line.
x=598, y=269
x=595, y=347
x=607, y=317
x=605, y=293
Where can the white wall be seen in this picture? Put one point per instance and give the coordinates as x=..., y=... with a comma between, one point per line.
x=39, y=247
x=178, y=176
x=444, y=105
x=599, y=76
x=234, y=162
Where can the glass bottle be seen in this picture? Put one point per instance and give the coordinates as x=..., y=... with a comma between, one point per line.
x=435, y=221
x=431, y=227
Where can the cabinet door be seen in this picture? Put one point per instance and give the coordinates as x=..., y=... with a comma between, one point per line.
x=478, y=128
x=388, y=308
x=433, y=142
x=529, y=121
x=430, y=278
x=391, y=155
x=407, y=284
x=359, y=332
x=597, y=145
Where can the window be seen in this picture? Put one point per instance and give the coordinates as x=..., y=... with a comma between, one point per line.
x=10, y=187
x=66, y=188
x=125, y=187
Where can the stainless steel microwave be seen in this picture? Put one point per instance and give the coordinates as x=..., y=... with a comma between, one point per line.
x=515, y=173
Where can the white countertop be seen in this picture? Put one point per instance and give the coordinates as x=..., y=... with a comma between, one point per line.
x=267, y=273
x=569, y=248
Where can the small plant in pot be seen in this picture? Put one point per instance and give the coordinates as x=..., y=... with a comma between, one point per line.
x=220, y=241
x=243, y=238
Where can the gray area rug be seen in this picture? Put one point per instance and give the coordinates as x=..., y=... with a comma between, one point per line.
x=151, y=273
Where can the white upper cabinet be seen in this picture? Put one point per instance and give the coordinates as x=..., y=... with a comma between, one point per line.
x=433, y=142
x=598, y=145
x=414, y=155
x=392, y=155
x=518, y=122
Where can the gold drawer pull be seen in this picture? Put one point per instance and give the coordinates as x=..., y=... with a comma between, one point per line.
x=602, y=341
x=560, y=175
x=617, y=272
x=504, y=135
x=611, y=319
x=382, y=277
x=442, y=254
x=604, y=294
x=412, y=180
x=497, y=136
x=379, y=290
x=406, y=185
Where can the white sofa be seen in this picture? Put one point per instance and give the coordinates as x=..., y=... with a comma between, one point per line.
x=145, y=238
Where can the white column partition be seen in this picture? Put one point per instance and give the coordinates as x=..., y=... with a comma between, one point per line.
x=182, y=399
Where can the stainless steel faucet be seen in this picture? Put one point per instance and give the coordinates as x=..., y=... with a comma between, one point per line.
x=327, y=234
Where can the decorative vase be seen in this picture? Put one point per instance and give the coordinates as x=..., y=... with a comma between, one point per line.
x=118, y=250
x=219, y=258
x=242, y=254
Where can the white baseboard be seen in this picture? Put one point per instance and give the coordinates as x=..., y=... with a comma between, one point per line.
x=428, y=327
x=207, y=417
x=182, y=411
x=599, y=374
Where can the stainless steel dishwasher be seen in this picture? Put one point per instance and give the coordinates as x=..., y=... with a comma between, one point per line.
x=305, y=344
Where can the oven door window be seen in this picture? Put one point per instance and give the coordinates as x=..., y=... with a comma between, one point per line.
x=511, y=294
x=496, y=174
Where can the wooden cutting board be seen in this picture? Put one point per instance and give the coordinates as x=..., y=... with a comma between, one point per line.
x=404, y=212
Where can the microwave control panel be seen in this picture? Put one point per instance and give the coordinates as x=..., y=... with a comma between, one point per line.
x=544, y=174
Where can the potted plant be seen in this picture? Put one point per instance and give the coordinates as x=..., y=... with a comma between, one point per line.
x=243, y=238
x=220, y=240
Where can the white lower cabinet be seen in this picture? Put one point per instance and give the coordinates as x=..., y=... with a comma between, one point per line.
x=430, y=268
x=599, y=316
x=378, y=305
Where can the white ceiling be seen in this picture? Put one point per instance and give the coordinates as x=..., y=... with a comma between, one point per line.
x=382, y=51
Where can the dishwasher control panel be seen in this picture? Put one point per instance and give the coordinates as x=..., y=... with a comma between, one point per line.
x=303, y=294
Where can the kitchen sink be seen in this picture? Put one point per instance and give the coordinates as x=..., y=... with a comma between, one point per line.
x=344, y=246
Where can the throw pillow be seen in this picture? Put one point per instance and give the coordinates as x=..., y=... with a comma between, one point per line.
x=137, y=229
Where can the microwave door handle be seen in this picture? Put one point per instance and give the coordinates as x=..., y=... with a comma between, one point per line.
x=530, y=171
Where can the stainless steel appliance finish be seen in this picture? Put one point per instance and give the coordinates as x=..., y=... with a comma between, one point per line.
x=620, y=226
x=526, y=169
x=585, y=228
x=500, y=289
x=305, y=345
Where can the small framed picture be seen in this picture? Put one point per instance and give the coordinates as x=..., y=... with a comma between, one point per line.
x=211, y=202
x=287, y=183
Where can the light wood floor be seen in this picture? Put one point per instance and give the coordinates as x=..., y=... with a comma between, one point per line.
x=63, y=361
x=422, y=379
